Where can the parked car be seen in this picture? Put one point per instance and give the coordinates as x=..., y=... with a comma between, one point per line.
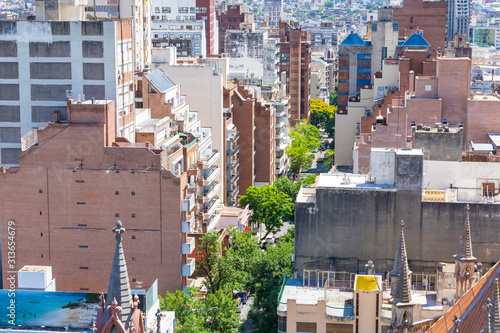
x=242, y=297
x=319, y=159
x=269, y=240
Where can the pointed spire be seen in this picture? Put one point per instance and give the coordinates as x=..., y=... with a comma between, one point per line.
x=402, y=293
x=119, y=286
x=465, y=249
x=396, y=270
x=495, y=309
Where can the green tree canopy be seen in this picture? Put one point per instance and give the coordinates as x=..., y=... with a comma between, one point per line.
x=269, y=206
x=305, y=140
x=291, y=188
x=321, y=112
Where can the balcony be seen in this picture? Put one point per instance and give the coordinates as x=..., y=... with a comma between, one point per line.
x=190, y=283
x=213, y=191
x=208, y=212
x=193, y=170
x=213, y=222
x=188, y=267
x=281, y=123
x=210, y=178
x=233, y=179
x=192, y=188
x=209, y=160
x=233, y=136
x=188, y=247
x=234, y=151
x=234, y=192
x=188, y=204
x=188, y=225
x=234, y=164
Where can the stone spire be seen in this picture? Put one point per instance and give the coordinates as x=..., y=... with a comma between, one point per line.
x=495, y=309
x=119, y=286
x=402, y=292
x=465, y=249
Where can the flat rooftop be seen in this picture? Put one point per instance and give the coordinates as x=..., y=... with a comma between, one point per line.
x=344, y=180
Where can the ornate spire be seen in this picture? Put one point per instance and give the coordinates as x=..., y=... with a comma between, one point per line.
x=402, y=292
x=119, y=286
x=495, y=309
x=465, y=249
x=487, y=322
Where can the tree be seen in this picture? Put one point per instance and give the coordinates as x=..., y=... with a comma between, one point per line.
x=334, y=96
x=220, y=309
x=305, y=140
x=217, y=313
x=321, y=112
x=266, y=280
x=328, y=159
x=186, y=307
x=292, y=188
x=210, y=264
x=269, y=206
x=330, y=128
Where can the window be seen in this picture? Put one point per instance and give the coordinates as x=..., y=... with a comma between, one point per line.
x=117, y=215
x=156, y=36
x=192, y=9
x=201, y=10
x=411, y=19
x=40, y=191
x=133, y=236
x=82, y=225
x=133, y=216
x=164, y=17
x=84, y=268
x=166, y=10
x=151, y=90
x=428, y=88
x=117, y=193
x=133, y=193
x=183, y=10
x=157, y=10
x=488, y=189
x=83, y=246
x=133, y=259
x=192, y=18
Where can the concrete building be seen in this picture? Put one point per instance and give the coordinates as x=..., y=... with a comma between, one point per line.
x=427, y=16
x=232, y=17
x=458, y=15
x=360, y=59
x=203, y=84
x=186, y=12
x=76, y=175
x=325, y=33
x=66, y=60
x=320, y=80
x=282, y=139
x=343, y=207
x=295, y=61
x=189, y=37
x=273, y=12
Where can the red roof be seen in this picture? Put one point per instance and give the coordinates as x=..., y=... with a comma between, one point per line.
x=469, y=307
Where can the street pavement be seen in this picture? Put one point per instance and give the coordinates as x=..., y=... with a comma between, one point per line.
x=247, y=325
x=318, y=167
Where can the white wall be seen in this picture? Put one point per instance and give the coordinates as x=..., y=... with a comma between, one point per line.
x=467, y=177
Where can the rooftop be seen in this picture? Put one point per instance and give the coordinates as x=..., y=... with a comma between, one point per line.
x=416, y=40
x=161, y=82
x=346, y=180
x=353, y=39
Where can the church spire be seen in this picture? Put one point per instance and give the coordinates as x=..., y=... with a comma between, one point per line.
x=402, y=292
x=119, y=286
x=465, y=249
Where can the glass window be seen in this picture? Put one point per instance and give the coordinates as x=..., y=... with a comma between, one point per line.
x=192, y=9
x=164, y=17
x=166, y=9
x=183, y=10
x=192, y=18
x=157, y=10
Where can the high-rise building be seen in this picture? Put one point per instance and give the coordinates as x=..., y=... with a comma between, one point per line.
x=273, y=12
x=427, y=16
x=458, y=18
x=187, y=12
x=45, y=63
x=295, y=61
x=231, y=19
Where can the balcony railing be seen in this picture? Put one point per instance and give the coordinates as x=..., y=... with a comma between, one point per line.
x=211, y=209
x=209, y=160
x=190, y=283
x=234, y=136
x=210, y=178
x=188, y=247
x=234, y=151
x=192, y=188
x=233, y=179
x=188, y=203
x=213, y=191
x=188, y=268
x=187, y=226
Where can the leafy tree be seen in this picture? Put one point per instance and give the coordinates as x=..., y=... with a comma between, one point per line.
x=305, y=140
x=330, y=127
x=220, y=309
x=217, y=272
x=334, y=96
x=328, y=159
x=269, y=207
x=321, y=112
x=265, y=283
x=292, y=188
x=187, y=308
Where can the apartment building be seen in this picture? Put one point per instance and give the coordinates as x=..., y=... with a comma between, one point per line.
x=231, y=17
x=188, y=38
x=45, y=63
x=256, y=124
x=458, y=16
x=136, y=10
x=187, y=12
x=295, y=61
x=157, y=92
x=427, y=16
x=75, y=176
x=273, y=12
x=325, y=33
